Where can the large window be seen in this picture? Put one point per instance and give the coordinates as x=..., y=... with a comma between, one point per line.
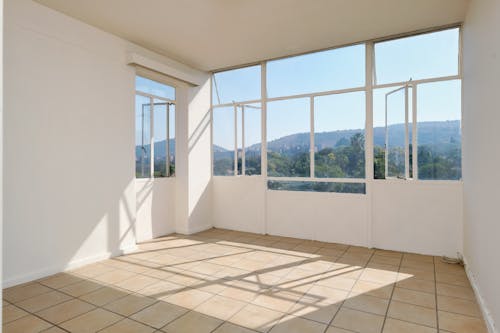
x=154, y=129
x=315, y=110
x=416, y=107
x=237, y=122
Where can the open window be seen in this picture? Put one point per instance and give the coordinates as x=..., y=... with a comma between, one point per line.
x=154, y=129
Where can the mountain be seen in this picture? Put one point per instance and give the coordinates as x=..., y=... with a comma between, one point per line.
x=432, y=132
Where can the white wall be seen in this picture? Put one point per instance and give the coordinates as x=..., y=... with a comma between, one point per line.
x=69, y=145
x=239, y=203
x=422, y=217
x=155, y=213
x=481, y=48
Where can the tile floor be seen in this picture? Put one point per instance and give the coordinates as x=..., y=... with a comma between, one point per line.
x=232, y=282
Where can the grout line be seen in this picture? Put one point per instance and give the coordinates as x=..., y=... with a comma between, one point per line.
x=392, y=294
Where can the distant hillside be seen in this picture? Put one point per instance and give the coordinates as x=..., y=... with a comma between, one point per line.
x=439, y=132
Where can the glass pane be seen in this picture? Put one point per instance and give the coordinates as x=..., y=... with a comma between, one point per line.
x=253, y=139
x=395, y=134
x=154, y=88
x=288, y=138
x=439, y=130
x=339, y=138
x=239, y=136
x=171, y=133
x=417, y=57
x=223, y=140
x=320, y=71
x=237, y=85
x=142, y=137
x=316, y=186
x=160, y=138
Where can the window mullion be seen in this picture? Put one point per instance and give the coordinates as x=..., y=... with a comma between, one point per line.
x=414, y=133
x=243, y=140
x=167, y=140
x=235, y=140
x=151, y=138
x=407, y=141
x=311, y=134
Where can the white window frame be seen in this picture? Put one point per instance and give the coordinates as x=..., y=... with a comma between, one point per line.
x=370, y=86
x=168, y=103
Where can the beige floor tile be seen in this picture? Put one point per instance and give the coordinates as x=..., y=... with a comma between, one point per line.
x=230, y=328
x=92, y=270
x=11, y=313
x=332, y=329
x=25, y=291
x=413, y=273
x=192, y=322
x=310, y=310
x=81, y=288
x=188, y=298
x=337, y=282
x=159, y=314
x=379, y=275
x=414, y=297
x=322, y=295
x=104, y=295
x=256, y=318
x=455, y=291
x=127, y=326
x=418, y=285
x=398, y=326
x=220, y=307
x=60, y=280
x=279, y=301
x=43, y=301
x=92, y=321
x=372, y=289
x=240, y=292
x=161, y=289
x=455, y=279
x=137, y=283
x=458, y=305
x=358, y=321
x=27, y=324
x=129, y=304
x=412, y=313
x=65, y=311
x=367, y=303
x=457, y=323
x=292, y=324
x=114, y=276
x=386, y=260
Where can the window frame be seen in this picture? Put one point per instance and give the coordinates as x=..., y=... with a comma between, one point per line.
x=369, y=87
x=168, y=102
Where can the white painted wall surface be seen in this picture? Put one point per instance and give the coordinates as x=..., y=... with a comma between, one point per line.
x=330, y=217
x=69, y=143
x=199, y=158
x=155, y=214
x=481, y=59
x=239, y=203
x=421, y=217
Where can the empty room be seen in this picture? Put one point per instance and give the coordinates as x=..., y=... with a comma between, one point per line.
x=250, y=166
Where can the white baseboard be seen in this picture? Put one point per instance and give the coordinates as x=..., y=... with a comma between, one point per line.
x=490, y=323
x=19, y=279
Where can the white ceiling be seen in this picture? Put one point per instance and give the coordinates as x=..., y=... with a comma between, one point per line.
x=214, y=34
